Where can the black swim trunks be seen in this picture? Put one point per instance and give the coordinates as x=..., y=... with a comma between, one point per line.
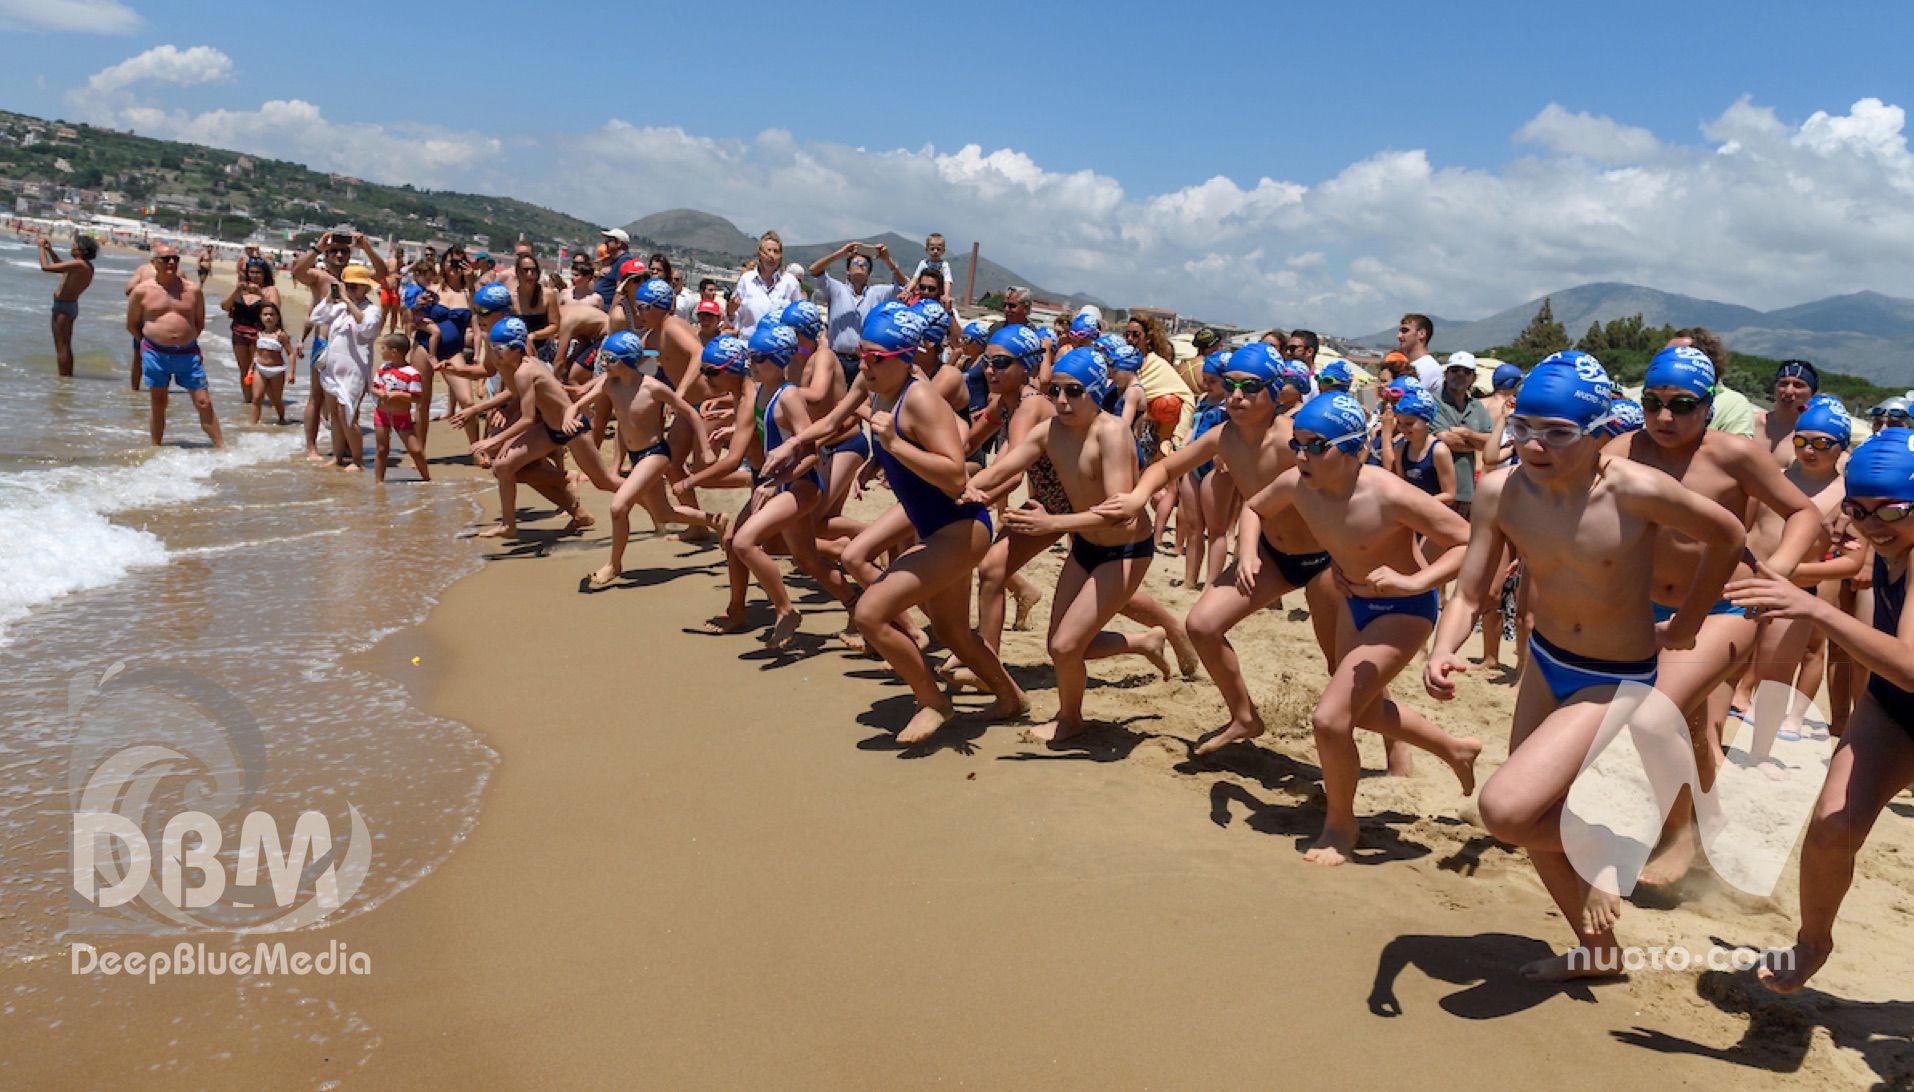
x=1296, y=569
x=1090, y=554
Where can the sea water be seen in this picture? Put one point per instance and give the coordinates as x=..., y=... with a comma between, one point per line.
x=249, y=570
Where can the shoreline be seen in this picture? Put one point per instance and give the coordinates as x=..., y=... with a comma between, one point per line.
x=701, y=864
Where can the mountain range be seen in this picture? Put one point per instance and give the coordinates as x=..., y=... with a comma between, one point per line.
x=1862, y=333
x=719, y=241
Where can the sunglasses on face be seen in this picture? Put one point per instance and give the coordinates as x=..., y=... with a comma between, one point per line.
x=1680, y=405
x=1521, y=431
x=1067, y=390
x=1818, y=443
x=1897, y=416
x=166, y=261
x=1250, y=387
x=1132, y=334
x=1893, y=511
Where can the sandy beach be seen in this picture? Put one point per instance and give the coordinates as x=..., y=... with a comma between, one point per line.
x=702, y=864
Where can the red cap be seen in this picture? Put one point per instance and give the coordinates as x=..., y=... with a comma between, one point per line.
x=710, y=307
x=630, y=267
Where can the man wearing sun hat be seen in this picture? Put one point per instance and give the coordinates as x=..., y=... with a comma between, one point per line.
x=1462, y=422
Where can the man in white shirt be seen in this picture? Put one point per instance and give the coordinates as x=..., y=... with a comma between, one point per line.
x=1413, y=335
x=851, y=300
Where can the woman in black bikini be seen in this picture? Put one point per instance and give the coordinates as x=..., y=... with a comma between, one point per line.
x=535, y=305
x=253, y=291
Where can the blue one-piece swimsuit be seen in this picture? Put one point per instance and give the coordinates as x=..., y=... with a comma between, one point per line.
x=930, y=509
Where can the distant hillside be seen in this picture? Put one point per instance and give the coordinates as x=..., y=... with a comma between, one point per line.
x=692, y=230
x=1865, y=333
x=215, y=191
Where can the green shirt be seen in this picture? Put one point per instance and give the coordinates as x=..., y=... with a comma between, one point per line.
x=1473, y=416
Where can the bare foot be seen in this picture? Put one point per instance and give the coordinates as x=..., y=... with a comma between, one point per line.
x=1462, y=761
x=315, y=457
x=1582, y=962
x=1230, y=733
x=1024, y=607
x=950, y=666
x=1334, y=847
x=604, y=576
x=925, y=724
x=1399, y=759
x=1672, y=859
x=964, y=678
x=699, y=534
x=724, y=623
x=503, y=530
x=854, y=641
x=1057, y=730
x=1600, y=911
x=1153, y=650
x=1187, y=661
x=352, y=468
x=1008, y=708
x=483, y=462
x=1788, y=971
x=785, y=629
x=580, y=522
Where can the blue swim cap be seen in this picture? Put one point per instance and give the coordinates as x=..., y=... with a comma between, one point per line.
x=1415, y=402
x=509, y=334
x=1825, y=413
x=1574, y=358
x=1799, y=369
x=727, y=352
x=1084, y=366
x=896, y=330
x=1048, y=335
x=803, y=316
x=1506, y=377
x=656, y=294
x=1086, y=326
x=776, y=343
x=1684, y=368
x=1019, y=341
x=1335, y=416
x=1126, y=358
x=1259, y=359
x=1624, y=417
x=1295, y=374
x=936, y=321
x=1335, y=376
x=1562, y=391
x=625, y=348
x=885, y=308
x=409, y=295
x=1883, y=466
x=1108, y=345
x=490, y=298
x=1216, y=363
x=977, y=333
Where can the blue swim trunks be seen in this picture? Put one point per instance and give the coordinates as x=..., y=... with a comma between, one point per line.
x=163, y=365
x=1427, y=606
x=1568, y=673
x=1722, y=606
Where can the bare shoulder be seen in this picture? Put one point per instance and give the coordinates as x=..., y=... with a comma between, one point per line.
x=1737, y=452
x=1489, y=486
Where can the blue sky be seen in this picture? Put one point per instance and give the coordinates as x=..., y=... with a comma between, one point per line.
x=1136, y=145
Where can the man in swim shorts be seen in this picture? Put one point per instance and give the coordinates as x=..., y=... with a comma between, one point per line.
x=75, y=275
x=167, y=315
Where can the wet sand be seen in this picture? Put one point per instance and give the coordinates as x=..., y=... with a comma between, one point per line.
x=706, y=865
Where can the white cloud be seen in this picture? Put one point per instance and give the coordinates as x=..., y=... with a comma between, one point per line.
x=165, y=64
x=83, y=16
x=1757, y=211
x=1595, y=138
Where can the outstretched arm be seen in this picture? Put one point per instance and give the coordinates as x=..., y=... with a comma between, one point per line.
x=1475, y=583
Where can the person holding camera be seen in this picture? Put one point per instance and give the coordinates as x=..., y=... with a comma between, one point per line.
x=852, y=299
x=319, y=269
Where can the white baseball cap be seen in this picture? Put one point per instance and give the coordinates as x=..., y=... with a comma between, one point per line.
x=617, y=233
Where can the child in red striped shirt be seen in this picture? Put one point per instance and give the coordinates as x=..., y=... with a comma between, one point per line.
x=400, y=390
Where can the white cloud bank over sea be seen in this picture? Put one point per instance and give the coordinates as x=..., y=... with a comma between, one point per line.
x=1756, y=210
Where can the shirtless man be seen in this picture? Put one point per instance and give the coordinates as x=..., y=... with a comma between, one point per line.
x=1586, y=525
x=581, y=328
x=1368, y=520
x=1092, y=454
x=646, y=306
x=1272, y=559
x=1734, y=472
x=335, y=247
x=547, y=420
x=75, y=275
x=167, y=315
x=639, y=402
x=1795, y=381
